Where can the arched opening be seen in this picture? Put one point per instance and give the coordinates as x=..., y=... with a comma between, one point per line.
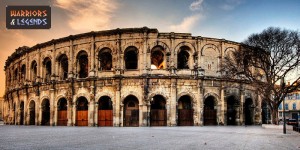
x=23, y=72
x=105, y=59
x=45, y=112
x=16, y=75
x=47, y=69
x=157, y=58
x=21, y=113
x=183, y=58
x=232, y=105
x=63, y=66
x=131, y=111
x=131, y=58
x=265, y=113
x=105, y=111
x=158, y=112
x=83, y=64
x=248, y=110
x=33, y=71
x=185, y=111
x=82, y=112
x=32, y=113
x=62, y=112
x=210, y=113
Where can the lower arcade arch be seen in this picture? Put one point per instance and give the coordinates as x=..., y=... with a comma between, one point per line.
x=158, y=111
x=21, y=113
x=105, y=111
x=131, y=111
x=265, y=113
x=32, y=113
x=248, y=111
x=210, y=113
x=185, y=111
x=82, y=112
x=62, y=112
x=232, y=109
x=45, y=112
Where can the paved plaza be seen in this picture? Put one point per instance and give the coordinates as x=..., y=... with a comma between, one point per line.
x=211, y=137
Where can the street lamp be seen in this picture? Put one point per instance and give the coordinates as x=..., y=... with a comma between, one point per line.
x=283, y=103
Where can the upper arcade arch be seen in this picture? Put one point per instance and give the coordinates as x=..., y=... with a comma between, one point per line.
x=105, y=59
x=158, y=58
x=131, y=57
x=63, y=66
x=47, y=69
x=33, y=71
x=82, y=64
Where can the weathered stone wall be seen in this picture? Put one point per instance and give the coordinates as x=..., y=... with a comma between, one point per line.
x=119, y=82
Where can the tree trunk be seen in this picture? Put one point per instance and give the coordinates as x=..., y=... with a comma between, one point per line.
x=275, y=116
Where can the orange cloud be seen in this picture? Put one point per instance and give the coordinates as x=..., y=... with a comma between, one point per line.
x=88, y=15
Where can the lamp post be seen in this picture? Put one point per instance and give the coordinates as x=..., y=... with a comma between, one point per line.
x=283, y=103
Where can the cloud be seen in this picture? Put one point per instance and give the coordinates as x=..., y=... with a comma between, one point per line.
x=187, y=24
x=88, y=15
x=196, y=5
x=230, y=4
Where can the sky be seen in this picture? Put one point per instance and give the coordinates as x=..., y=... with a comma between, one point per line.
x=232, y=20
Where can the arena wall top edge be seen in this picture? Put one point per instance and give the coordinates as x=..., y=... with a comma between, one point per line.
x=25, y=49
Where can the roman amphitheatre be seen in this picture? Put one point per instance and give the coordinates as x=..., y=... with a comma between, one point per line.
x=127, y=77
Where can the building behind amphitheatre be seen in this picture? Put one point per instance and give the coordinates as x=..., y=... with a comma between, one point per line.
x=127, y=77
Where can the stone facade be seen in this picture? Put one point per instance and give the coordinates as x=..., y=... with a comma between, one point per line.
x=136, y=76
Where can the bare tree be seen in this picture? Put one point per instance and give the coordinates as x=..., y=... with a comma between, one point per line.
x=265, y=60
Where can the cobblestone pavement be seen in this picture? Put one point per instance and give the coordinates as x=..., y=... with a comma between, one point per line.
x=211, y=137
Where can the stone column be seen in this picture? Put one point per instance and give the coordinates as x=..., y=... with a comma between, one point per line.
x=55, y=115
x=69, y=115
x=201, y=103
x=92, y=58
x=140, y=115
x=73, y=114
x=52, y=109
x=96, y=114
x=222, y=105
x=173, y=103
x=121, y=119
x=91, y=112
x=242, y=115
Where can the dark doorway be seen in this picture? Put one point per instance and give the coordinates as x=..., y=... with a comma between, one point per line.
x=62, y=112
x=248, y=111
x=32, y=113
x=105, y=112
x=45, y=112
x=47, y=69
x=158, y=112
x=185, y=111
x=131, y=58
x=21, y=113
x=210, y=113
x=63, y=66
x=105, y=59
x=131, y=111
x=183, y=58
x=83, y=64
x=82, y=112
x=265, y=114
x=231, y=110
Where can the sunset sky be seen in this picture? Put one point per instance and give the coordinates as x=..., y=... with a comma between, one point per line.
x=233, y=20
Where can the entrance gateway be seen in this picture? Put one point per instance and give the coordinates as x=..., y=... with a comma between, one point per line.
x=82, y=112
x=105, y=112
x=131, y=111
x=158, y=112
x=62, y=118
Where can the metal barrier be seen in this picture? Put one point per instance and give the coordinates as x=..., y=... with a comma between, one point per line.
x=297, y=129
